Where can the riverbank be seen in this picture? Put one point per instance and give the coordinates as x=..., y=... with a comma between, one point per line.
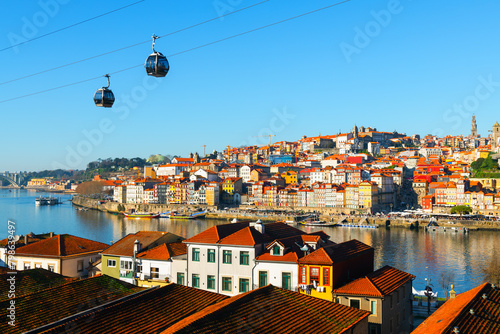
x=213, y=212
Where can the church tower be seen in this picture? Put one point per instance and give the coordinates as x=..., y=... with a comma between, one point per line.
x=473, y=128
x=495, y=135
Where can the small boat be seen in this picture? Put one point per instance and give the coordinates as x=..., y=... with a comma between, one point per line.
x=319, y=223
x=176, y=215
x=141, y=215
x=358, y=225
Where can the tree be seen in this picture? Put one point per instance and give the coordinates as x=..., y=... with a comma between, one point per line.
x=445, y=279
x=477, y=164
x=461, y=209
x=90, y=188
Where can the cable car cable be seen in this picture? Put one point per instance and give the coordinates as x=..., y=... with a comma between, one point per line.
x=130, y=46
x=71, y=26
x=181, y=52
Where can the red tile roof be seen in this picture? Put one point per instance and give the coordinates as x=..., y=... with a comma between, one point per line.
x=150, y=311
x=379, y=283
x=456, y=312
x=247, y=236
x=214, y=234
x=273, y=310
x=61, y=245
x=148, y=239
x=33, y=280
x=331, y=254
x=164, y=251
x=49, y=305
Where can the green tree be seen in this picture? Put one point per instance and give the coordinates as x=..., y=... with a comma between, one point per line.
x=477, y=164
x=461, y=209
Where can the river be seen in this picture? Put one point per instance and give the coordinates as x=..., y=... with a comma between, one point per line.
x=416, y=252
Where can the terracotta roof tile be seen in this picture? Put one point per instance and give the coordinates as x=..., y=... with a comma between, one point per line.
x=150, y=311
x=379, y=283
x=331, y=254
x=271, y=310
x=164, y=251
x=247, y=236
x=216, y=233
x=49, y=305
x=61, y=245
x=456, y=313
x=148, y=239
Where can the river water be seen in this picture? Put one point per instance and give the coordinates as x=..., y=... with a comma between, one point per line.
x=417, y=252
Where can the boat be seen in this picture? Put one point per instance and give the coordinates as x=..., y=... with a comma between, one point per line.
x=176, y=215
x=318, y=223
x=47, y=200
x=141, y=215
x=357, y=225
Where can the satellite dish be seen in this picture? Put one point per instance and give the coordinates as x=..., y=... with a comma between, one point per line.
x=16, y=238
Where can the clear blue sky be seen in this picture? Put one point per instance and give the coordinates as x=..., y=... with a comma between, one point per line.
x=320, y=73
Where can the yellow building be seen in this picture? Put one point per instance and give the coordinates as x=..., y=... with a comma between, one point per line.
x=37, y=182
x=290, y=177
x=367, y=194
x=231, y=186
x=332, y=266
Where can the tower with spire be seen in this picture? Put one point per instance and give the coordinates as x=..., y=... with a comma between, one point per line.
x=473, y=128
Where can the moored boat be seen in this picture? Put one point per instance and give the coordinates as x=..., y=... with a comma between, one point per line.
x=176, y=215
x=316, y=223
x=141, y=215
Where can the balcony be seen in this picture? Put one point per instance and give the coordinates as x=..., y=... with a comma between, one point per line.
x=126, y=274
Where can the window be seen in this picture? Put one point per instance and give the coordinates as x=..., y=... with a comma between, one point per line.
x=373, y=307
x=139, y=269
x=226, y=257
x=326, y=276
x=262, y=278
x=244, y=258
x=354, y=303
x=211, y=256
x=276, y=250
x=13, y=266
x=51, y=267
x=180, y=278
x=303, y=275
x=244, y=284
x=38, y=265
x=196, y=254
x=196, y=281
x=126, y=265
x=226, y=284
x=27, y=265
x=79, y=266
x=286, y=281
x=155, y=272
x=314, y=275
x=211, y=282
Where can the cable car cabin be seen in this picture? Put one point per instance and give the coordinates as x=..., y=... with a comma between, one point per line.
x=157, y=65
x=104, y=97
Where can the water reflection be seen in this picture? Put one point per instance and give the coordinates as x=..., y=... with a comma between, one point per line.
x=411, y=251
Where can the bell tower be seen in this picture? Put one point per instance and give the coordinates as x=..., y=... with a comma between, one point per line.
x=473, y=128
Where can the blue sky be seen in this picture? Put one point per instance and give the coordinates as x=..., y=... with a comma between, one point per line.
x=415, y=66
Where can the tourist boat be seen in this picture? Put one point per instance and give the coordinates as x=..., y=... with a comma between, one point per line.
x=357, y=225
x=318, y=223
x=141, y=215
x=176, y=215
x=47, y=201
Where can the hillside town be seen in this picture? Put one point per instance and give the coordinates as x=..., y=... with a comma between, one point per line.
x=364, y=171
x=244, y=275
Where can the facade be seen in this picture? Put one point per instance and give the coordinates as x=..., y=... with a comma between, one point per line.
x=64, y=254
x=386, y=294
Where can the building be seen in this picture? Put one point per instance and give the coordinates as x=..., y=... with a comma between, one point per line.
x=473, y=127
x=118, y=259
x=387, y=294
x=64, y=254
x=474, y=311
x=332, y=266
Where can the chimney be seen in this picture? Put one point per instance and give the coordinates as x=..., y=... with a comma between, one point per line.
x=137, y=246
x=259, y=226
x=25, y=239
x=51, y=234
x=452, y=292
